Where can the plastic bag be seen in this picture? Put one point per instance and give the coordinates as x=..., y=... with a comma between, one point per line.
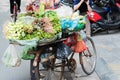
x=26, y=19
x=70, y=41
x=25, y=42
x=64, y=11
x=30, y=45
x=25, y=55
x=80, y=45
x=69, y=24
x=63, y=51
x=10, y=57
x=75, y=23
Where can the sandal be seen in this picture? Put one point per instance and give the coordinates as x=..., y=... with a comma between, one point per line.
x=11, y=15
x=18, y=10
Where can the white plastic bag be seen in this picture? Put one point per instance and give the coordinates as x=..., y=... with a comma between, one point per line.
x=64, y=11
x=26, y=19
x=10, y=57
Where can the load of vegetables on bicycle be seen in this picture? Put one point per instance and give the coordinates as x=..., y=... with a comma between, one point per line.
x=44, y=24
x=41, y=25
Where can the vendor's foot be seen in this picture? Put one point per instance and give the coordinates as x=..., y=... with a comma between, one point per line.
x=11, y=15
x=19, y=10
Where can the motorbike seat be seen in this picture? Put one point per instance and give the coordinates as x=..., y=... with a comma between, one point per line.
x=99, y=10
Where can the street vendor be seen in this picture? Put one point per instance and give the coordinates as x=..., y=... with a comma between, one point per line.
x=12, y=6
x=84, y=6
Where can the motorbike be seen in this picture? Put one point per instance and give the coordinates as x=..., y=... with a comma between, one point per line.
x=105, y=15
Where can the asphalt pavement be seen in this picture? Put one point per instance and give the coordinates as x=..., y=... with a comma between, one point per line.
x=107, y=45
x=108, y=50
x=10, y=73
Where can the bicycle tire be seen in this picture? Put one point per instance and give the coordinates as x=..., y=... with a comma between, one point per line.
x=14, y=17
x=87, y=66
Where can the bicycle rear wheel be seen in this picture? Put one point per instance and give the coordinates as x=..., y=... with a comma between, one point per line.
x=88, y=57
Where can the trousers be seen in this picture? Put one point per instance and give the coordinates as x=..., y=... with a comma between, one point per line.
x=12, y=5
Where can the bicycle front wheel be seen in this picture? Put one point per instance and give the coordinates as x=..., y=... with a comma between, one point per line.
x=88, y=57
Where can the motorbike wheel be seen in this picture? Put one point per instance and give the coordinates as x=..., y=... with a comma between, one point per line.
x=95, y=28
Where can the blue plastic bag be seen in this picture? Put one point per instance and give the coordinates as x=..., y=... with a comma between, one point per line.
x=69, y=24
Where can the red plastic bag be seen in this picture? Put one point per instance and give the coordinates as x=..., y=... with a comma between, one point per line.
x=70, y=41
x=80, y=46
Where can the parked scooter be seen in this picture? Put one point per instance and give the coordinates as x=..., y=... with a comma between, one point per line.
x=105, y=15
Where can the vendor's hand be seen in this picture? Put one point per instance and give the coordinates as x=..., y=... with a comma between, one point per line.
x=87, y=2
x=88, y=6
x=56, y=1
x=81, y=1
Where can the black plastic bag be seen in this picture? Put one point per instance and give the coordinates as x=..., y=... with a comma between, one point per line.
x=62, y=51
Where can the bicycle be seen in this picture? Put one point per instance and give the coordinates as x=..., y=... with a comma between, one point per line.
x=54, y=70
x=50, y=69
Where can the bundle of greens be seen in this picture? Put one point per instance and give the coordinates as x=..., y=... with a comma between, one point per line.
x=46, y=27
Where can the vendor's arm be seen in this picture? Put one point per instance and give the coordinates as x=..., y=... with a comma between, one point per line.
x=56, y=1
x=77, y=4
x=88, y=6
